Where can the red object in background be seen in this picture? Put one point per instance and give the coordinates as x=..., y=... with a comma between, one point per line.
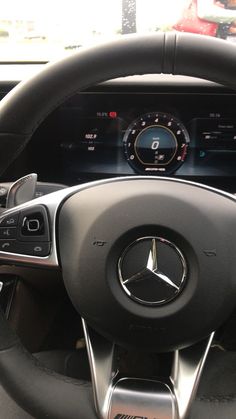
x=231, y=4
x=113, y=114
x=190, y=22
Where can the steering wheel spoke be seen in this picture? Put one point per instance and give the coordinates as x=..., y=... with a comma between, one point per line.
x=28, y=231
x=186, y=373
x=120, y=396
x=27, y=234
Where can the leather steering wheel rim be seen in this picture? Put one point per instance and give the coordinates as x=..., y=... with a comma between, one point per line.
x=29, y=103
x=22, y=111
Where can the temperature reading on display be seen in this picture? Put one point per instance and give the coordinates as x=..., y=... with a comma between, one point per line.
x=156, y=143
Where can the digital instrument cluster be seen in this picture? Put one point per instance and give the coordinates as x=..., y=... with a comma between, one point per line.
x=156, y=143
x=104, y=135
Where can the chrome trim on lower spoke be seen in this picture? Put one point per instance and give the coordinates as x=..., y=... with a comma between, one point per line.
x=186, y=373
x=144, y=399
x=103, y=371
x=117, y=397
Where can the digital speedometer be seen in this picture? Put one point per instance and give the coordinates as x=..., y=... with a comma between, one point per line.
x=157, y=143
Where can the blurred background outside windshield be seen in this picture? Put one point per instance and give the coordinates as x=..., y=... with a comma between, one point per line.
x=47, y=30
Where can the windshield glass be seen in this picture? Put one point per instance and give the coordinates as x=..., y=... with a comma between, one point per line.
x=47, y=30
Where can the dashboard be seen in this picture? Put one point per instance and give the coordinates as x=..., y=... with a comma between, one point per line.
x=120, y=129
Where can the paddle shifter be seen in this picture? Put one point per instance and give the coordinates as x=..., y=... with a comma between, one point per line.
x=22, y=190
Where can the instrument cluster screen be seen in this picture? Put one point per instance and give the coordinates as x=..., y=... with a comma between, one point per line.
x=91, y=143
x=103, y=135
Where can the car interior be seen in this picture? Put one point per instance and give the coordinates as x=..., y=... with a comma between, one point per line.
x=117, y=232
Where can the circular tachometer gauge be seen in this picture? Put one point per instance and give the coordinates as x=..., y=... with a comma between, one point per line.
x=156, y=143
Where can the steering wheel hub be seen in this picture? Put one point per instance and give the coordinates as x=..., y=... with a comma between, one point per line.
x=139, y=270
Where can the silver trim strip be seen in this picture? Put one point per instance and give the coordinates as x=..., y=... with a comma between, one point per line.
x=114, y=394
x=186, y=373
x=134, y=398
x=103, y=371
x=54, y=200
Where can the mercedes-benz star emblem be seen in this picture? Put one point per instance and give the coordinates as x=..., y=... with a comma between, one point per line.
x=152, y=270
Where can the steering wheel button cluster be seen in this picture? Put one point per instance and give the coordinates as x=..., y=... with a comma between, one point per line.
x=40, y=249
x=33, y=249
x=10, y=220
x=33, y=224
x=7, y=246
x=26, y=232
x=8, y=233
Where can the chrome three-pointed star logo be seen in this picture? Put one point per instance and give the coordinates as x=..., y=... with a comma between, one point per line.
x=152, y=270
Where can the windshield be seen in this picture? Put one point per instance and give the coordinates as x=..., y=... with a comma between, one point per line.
x=47, y=30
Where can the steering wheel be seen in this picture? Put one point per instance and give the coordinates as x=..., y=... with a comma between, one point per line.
x=148, y=262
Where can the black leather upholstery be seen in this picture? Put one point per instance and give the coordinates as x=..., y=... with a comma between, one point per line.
x=42, y=392
x=27, y=379
x=73, y=364
x=69, y=363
